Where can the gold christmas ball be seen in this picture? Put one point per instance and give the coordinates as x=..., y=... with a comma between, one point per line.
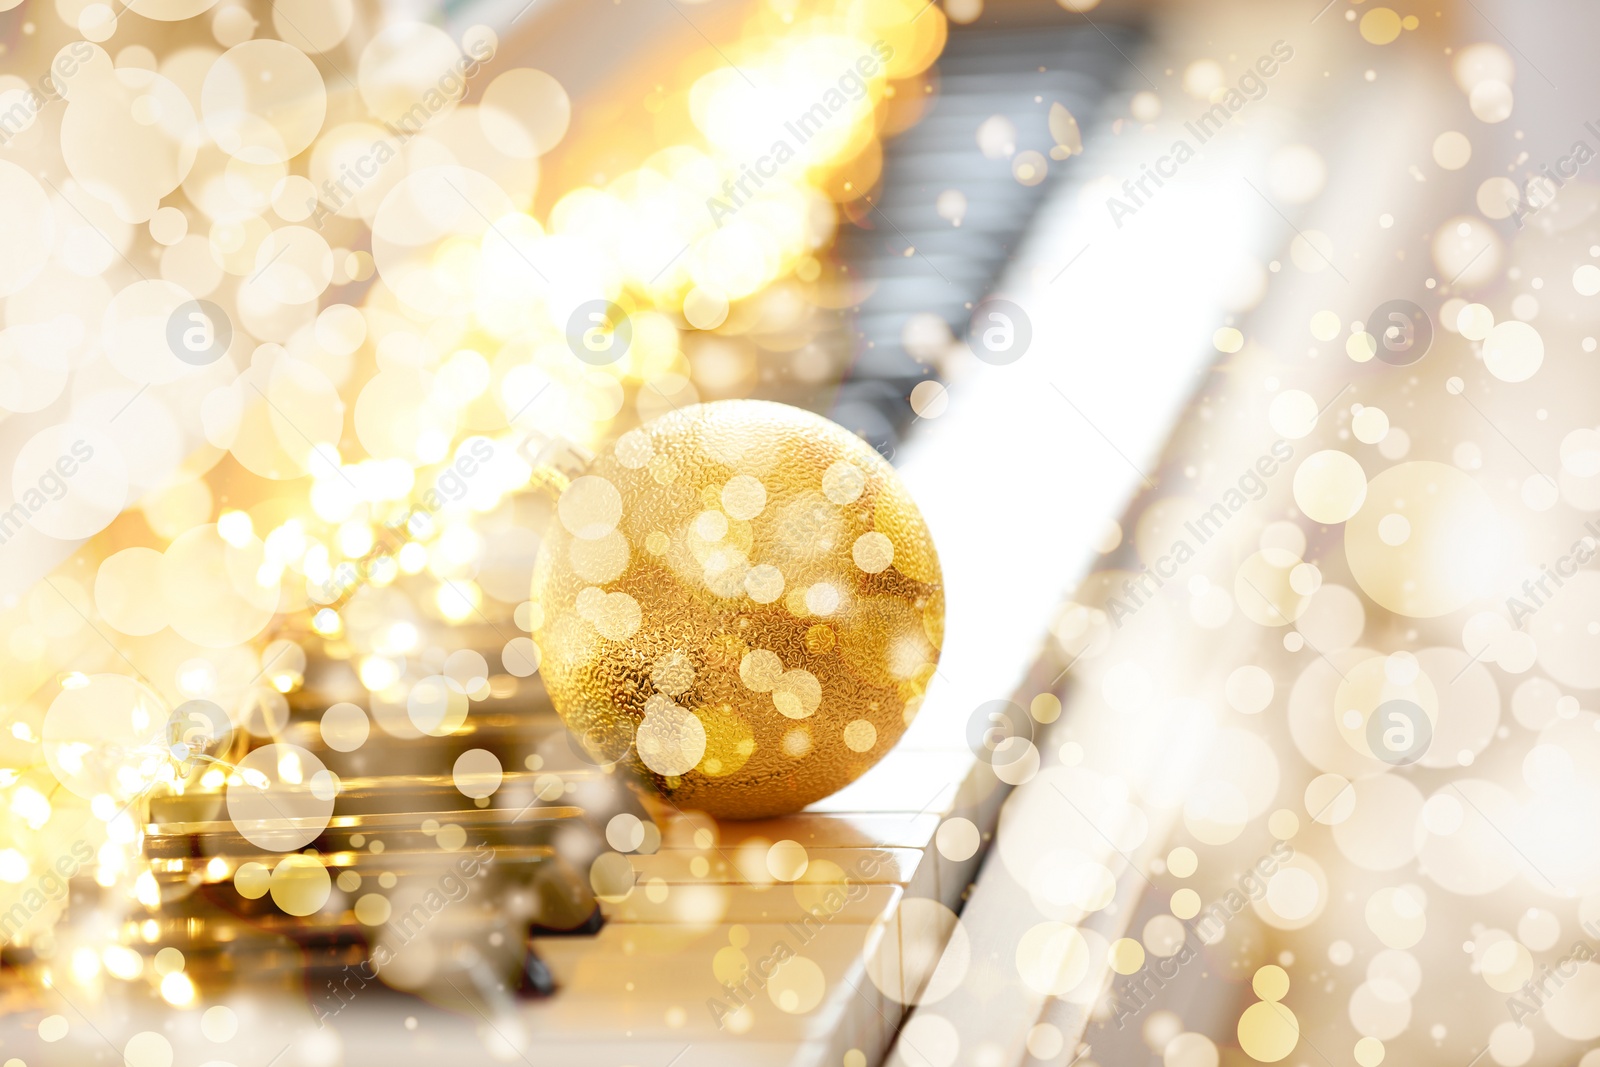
x=741, y=600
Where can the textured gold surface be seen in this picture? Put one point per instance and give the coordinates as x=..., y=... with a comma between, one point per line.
x=663, y=628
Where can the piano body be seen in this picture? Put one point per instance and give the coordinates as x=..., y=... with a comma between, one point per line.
x=887, y=923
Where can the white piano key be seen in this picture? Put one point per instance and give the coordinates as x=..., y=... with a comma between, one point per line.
x=742, y=904
x=811, y=829
x=656, y=982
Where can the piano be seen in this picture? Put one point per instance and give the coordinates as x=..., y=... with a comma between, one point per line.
x=869, y=927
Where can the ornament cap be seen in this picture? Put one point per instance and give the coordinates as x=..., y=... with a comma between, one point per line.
x=556, y=460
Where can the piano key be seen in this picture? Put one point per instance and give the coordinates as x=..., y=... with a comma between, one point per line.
x=689, y=903
x=621, y=981
x=873, y=866
x=811, y=829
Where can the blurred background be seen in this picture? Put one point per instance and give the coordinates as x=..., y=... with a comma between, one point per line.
x=1239, y=355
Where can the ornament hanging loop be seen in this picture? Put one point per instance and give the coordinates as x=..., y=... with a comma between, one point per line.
x=555, y=460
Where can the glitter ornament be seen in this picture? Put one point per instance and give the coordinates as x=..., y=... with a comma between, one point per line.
x=741, y=600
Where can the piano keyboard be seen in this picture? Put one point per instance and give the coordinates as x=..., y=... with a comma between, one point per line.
x=988, y=72
x=778, y=941
x=451, y=887
x=677, y=968
x=595, y=920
